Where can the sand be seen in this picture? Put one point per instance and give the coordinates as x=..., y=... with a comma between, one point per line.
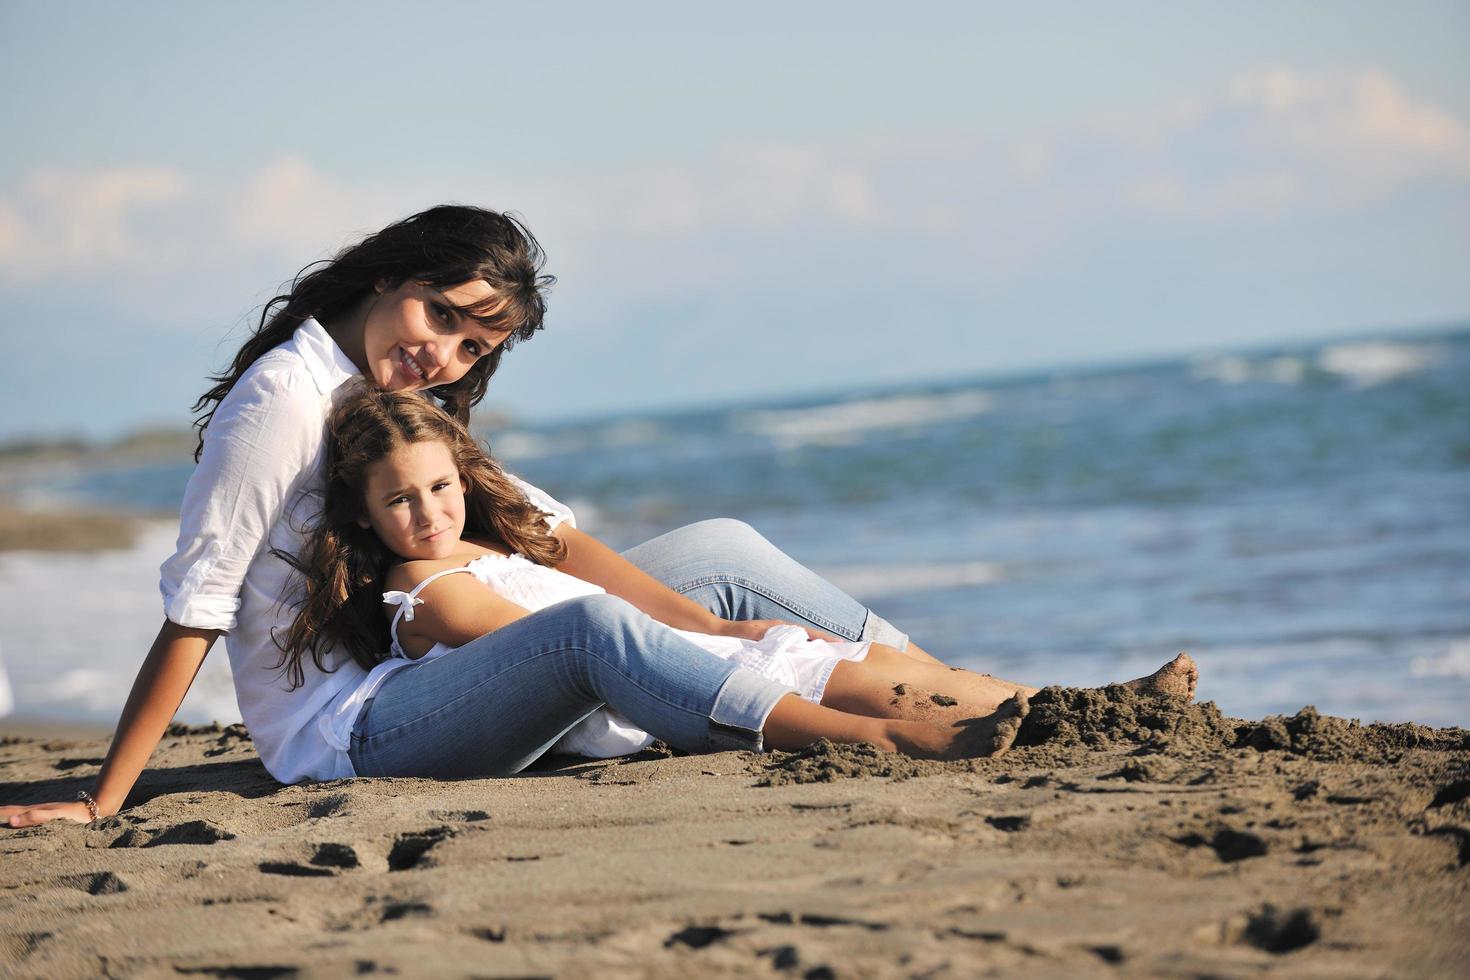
x=1124, y=835
x=28, y=530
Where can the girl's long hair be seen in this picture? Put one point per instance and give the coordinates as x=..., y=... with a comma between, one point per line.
x=343, y=565
x=444, y=246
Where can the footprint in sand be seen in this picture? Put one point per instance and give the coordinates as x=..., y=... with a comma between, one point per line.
x=1268, y=928
x=698, y=937
x=409, y=850
x=14, y=949
x=1010, y=823
x=458, y=816
x=406, y=910
x=190, y=832
x=96, y=883
x=331, y=805
x=292, y=869
x=334, y=855
x=1229, y=845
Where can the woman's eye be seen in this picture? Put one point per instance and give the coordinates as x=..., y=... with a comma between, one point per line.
x=440, y=311
x=439, y=486
x=473, y=348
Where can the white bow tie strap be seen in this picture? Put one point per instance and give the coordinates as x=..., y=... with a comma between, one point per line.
x=405, y=603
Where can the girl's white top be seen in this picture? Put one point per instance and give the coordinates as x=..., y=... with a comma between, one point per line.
x=258, y=487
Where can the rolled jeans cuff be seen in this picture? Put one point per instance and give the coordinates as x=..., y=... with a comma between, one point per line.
x=876, y=629
x=741, y=708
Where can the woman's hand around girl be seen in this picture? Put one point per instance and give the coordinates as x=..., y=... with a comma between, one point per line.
x=755, y=629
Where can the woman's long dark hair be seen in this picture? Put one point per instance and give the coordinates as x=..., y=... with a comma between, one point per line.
x=342, y=566
x=444, y=246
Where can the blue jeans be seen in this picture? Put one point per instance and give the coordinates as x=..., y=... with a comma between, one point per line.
x=729, y=569
x=499, y=702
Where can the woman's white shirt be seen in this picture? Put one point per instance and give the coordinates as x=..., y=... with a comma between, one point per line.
x=257, y=488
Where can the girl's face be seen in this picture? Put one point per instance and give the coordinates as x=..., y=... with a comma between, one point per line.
x=414, y=335
x=414, y=501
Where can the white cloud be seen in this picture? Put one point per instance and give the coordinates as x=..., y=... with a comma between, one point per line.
x=1275, y=138
x=962, y=210
x=71, y=221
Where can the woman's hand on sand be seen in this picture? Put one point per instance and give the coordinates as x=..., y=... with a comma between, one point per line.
x=39, y=813
x=754, y=629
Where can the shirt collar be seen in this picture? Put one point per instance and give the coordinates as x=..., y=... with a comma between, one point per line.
x=326, y=363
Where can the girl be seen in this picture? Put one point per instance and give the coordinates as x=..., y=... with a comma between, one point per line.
x=430, y=304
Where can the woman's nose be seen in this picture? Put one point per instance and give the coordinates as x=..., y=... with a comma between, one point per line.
x=438, y=354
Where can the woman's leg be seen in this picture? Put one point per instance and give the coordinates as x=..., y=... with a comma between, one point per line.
x=887, y=684
x=730, y=569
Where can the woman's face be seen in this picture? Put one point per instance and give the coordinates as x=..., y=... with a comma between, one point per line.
x=414, y=501
x=414, y=335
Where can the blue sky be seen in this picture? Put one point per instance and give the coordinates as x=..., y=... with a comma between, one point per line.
x=777, y=198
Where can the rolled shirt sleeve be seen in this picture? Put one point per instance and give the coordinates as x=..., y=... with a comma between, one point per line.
x=262, y=444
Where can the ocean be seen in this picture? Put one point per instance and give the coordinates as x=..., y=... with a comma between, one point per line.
x=1297, y=518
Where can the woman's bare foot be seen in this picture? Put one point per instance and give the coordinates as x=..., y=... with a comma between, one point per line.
x=1176, y=678
x=972, y=738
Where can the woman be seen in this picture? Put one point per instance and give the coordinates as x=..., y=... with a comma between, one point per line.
x=432, y=303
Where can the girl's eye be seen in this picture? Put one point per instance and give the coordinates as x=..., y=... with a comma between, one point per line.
x=473, y=348
x=439, y=486
x=440, y=311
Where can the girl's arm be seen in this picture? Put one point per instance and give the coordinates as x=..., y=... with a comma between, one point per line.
x=592, y=561
x=456, y=610
x=165, y=677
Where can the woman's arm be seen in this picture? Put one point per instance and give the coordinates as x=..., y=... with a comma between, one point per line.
x=165, y=677
x=592, y=561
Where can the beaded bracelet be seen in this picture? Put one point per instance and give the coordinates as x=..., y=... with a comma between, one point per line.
x=86, y=798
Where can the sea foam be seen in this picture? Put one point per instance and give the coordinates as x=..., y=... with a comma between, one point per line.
x=886, y=581
x=845, y=423
x=1368, y=364
x=80, y=625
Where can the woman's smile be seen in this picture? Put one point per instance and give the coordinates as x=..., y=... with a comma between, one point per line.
x=412, y=368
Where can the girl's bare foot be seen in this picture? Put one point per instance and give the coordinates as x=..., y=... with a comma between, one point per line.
x=1176, y=678
x=994, y=734
x=972, y=738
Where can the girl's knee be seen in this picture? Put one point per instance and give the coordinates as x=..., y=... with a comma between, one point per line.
x=886, y=660
x=606, y=612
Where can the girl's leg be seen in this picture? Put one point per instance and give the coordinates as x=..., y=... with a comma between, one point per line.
x=796, y=723
x=496, y=704
x=730, y=569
